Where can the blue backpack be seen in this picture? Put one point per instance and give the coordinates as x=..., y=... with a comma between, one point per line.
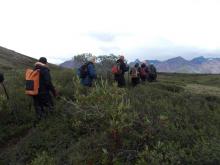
x=83, y=70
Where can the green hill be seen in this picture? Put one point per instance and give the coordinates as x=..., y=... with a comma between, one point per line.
x=10, y=59
x=172, y=121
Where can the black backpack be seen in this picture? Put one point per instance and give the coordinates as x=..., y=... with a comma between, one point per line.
x=152, y=73
x=1, y=78
x=83, y=70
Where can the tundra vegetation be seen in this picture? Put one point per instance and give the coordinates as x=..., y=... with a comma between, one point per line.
x=175, y=120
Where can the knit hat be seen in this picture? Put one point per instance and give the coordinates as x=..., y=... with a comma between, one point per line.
x=122, y=57
x=137, y=65
x=91, y=59
x=43, y=60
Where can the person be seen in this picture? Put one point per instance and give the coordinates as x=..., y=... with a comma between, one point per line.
x=3, y=86
x=43, y=100
x=87, y=72
x=152, y=73
x=1, y=77
x=135, y=74
x=144, y=72
x=119, y=77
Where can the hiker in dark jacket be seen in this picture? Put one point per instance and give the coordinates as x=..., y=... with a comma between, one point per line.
x=90, y=74
x=43, y=100
x=144, y=72
x=124, y=68
x=135, y=74
x=1, y=77
x=2, y=84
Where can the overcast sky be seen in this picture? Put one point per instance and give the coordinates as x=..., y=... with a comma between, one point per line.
x=145, y=29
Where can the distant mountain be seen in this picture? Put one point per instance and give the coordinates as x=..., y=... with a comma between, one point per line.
x=136, y=61
x=177, y=61
x=70, y=64
x=181, y=65
x=174, y=65
x=198, y=60
x=154, y=62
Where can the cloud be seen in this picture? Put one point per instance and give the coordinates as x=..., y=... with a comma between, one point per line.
x=166, y=52
x=135, y=28
x=109, y=49
x=103, y=36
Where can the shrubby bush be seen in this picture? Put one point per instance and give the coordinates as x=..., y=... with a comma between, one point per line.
x=43, y=159
x=153, y=123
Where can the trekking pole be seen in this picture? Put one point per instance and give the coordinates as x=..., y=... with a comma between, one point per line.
x=6, y=93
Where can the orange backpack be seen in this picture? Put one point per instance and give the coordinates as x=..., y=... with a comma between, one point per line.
x=32, y=78
x=116, y=69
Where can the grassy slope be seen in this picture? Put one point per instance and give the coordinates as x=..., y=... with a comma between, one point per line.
x=173, y=121
x=10, y=60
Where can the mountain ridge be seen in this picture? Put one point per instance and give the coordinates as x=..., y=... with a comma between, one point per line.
x=177, y=64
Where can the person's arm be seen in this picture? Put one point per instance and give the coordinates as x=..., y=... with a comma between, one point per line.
x=92, y=71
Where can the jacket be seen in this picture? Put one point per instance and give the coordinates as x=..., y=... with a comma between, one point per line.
x=123, y=67
x=45, y=84
x=145, y=67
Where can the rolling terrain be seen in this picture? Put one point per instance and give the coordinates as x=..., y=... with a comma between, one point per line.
x=10, y=59
x=172, y=121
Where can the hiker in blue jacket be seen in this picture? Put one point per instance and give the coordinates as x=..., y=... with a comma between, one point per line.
x=87, y=72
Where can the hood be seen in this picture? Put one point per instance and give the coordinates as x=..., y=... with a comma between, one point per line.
x=40, y=64
x=120, y=61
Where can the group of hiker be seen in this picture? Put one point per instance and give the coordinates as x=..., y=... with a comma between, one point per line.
x=39, y=84
x=87, y=72
x=141, y=73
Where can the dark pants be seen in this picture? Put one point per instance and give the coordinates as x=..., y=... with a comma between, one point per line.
x=143, y=78
x=120, y=79
x=43, y=104
x=151, y=78
x=135, y=81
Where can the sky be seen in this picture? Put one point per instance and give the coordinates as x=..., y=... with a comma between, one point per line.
x=144, y=29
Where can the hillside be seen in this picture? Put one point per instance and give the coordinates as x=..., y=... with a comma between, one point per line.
x=10, y=59
x=172, y=121
x=70, y=64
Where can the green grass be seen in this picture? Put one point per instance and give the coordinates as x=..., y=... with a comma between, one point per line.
x=203, y=79
x=172, y=121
